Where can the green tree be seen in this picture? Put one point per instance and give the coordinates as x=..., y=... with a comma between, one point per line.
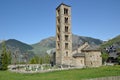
x=9, y=56
x=0, y=62
x=104, y=57
x=33, y=61
x=4, y=58
x=41, y=60
x=47, y=59
x=118, y=59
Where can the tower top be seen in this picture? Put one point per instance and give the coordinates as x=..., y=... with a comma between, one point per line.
x=62, y=4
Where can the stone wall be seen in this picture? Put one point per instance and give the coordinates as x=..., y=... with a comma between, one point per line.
x=79, y=61
x=93, y=59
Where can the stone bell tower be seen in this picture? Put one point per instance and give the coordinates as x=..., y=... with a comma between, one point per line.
x=63, y=35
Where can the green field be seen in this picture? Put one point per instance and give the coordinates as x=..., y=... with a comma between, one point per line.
x=76, y=74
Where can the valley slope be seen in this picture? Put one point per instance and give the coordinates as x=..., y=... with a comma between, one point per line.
x=41, y=47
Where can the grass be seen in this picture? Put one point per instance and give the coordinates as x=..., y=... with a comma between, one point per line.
x=76, y=74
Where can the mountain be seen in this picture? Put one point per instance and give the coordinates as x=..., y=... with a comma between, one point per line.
x=1, y=41
x=80, y=40
x=15, y=44
x=44, y=45
x=113, y=42
x=23, y=50
x=49, y=43
x=20, y=49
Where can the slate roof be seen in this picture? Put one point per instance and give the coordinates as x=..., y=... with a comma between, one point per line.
x=91, y=48
x=79, y=55
x=62, y=4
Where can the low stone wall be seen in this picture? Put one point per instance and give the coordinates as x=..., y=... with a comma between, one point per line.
x=106, y=78
x=14, y=68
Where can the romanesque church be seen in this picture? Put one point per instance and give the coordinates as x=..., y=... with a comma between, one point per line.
x=84, y=56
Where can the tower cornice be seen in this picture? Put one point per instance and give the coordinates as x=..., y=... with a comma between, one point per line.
x=63, y=4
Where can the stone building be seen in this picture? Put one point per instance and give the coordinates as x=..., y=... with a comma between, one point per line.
x=84, y=55
x=63, y=35
x=87, y=55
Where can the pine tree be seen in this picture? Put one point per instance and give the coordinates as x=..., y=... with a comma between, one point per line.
x=41, y=60
x=9, y=56
x=4, y=58
x=0, y=62
x=33, y=61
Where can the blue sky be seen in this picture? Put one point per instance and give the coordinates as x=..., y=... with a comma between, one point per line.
x=33, y=20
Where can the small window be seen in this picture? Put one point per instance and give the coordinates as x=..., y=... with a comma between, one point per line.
x=65, y=11
x=66, y=20
x=66, y=37
x=66, y=53
x=59, y=37
x=58, y=46
x=81, y=61
x=58, y=11
x=91, y=63
x=66, y=28
x=58, y=20
x=66, y=45
x=58, y=28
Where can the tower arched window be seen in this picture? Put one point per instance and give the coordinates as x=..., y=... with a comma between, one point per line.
x=58, y=20
x=66, y=45
x=58, y=46
x=58, y=11
x=65, y=11
x=66, y=53
x=66, y=28
x=66, y=20
x=58, y=37
x=66, y=37
x=58, y=28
